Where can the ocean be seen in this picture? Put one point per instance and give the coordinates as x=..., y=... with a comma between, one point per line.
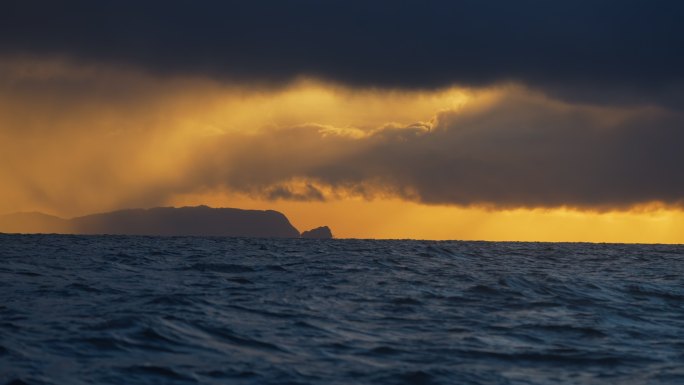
x=193, y=310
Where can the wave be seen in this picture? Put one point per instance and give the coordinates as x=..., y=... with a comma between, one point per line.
x=192, y=310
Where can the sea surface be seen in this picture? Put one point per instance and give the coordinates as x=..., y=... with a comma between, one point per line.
x=189, y=310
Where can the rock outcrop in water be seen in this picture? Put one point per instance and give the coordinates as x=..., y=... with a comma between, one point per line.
x=322, y=232
x=200, y=221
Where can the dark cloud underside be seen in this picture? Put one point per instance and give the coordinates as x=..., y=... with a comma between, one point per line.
x=571, y=48
x=519, y=152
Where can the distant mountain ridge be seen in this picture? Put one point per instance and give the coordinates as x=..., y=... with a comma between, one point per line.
x=34, y=223
x=165, y=221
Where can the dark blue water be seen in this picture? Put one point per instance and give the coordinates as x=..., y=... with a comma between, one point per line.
x=152, y=310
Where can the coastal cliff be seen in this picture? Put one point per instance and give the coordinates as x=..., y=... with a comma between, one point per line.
x=165, y=221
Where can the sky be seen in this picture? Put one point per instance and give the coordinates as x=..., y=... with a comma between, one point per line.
x=488, y=120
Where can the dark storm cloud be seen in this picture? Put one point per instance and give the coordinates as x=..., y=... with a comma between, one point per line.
x=520, y=152
x=307, y=193
x=627, y=51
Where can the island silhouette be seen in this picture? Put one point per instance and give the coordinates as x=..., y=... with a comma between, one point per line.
x=165, y=221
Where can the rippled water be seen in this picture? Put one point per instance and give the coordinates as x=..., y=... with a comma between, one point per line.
x=153, y=310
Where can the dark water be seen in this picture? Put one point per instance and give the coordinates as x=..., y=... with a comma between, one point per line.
x=150, y=310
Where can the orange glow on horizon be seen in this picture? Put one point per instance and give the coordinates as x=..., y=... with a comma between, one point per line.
x=397, y=219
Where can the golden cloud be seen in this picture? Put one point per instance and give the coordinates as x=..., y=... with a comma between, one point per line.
x=77, y=139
